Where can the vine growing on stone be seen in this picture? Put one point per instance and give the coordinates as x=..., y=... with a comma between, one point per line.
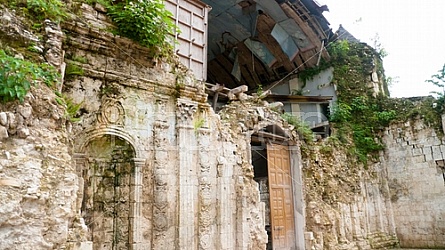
x=359, y=114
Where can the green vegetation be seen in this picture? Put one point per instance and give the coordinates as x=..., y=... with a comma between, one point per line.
x=359, y=115
x=32, y=48
x=300, y=126
x=303, y=130
x=71, y=108
x=17, y=76
x=146, y=22
x=438, y=80
x=80, y=59
x=198, y=124
x=40, y=10
x=73, y=70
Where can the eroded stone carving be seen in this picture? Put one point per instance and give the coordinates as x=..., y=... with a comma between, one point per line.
x=205, y=196
x=185, y=111
x=111, y=112
x=160, y=199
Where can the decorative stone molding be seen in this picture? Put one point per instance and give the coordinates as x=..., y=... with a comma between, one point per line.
x=160, y=174
x=185, y=112
x=111, y=112
x=136, y=205
x=206, y=216
x=161, y=109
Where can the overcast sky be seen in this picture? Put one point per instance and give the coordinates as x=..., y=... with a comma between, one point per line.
x=412, y=33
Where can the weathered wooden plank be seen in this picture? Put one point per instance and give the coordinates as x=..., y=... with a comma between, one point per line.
x=248, y=65
x=311, y=35
x=220, y=68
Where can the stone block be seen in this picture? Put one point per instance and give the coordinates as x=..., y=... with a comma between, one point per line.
x=427, y=151
x=25, y=111
x=436, y=141
x=419, y=158
x=12, y=123
x=87, y=245
x=417, y=151
x=23, y=132
x=3, y=119
x=437, y=154
x=3, y=133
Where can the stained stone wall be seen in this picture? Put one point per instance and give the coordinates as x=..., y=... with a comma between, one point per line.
x=397, y=200
x=149, y=165
x=37, y=180
x=346, y=207
x=191, y=186
x=416, y=181
x=38, y=185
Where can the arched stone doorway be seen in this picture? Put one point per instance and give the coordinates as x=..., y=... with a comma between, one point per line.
x=107, y=205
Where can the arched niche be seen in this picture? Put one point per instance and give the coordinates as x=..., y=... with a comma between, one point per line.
x=109, y=199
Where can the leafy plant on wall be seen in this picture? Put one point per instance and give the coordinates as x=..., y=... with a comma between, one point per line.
x=147, y=22
x=438, y=80
x=18, y=75
x=359, y=113
x=55, y=10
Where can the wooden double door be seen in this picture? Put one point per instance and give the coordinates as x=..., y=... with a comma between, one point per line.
x=281, y=199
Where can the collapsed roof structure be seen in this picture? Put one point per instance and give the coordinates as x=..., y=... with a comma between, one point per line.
x=250, y=42
x=259, y=42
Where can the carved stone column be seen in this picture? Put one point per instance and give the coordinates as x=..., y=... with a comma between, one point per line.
x=135, y=205
x=185, y=112
x=207, y=204
x=160, y=178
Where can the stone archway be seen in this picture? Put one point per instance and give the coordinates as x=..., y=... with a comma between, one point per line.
x=109, y=204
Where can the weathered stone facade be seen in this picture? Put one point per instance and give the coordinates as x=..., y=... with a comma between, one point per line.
x=190, y=186
x=416, y=183
x=346, y=205
x=37, y=180
x=396, y=201
x=151, y=166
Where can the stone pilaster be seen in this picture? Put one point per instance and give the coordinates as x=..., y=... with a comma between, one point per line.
x=185, y=112
x=79, y=160
x=161, y=239
x=135, y=205
x=225, y=189
x=206, y=210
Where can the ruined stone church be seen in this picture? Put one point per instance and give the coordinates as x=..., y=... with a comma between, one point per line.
x=186, y=155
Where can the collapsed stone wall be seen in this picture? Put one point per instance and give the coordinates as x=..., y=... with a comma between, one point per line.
x=37, y=182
